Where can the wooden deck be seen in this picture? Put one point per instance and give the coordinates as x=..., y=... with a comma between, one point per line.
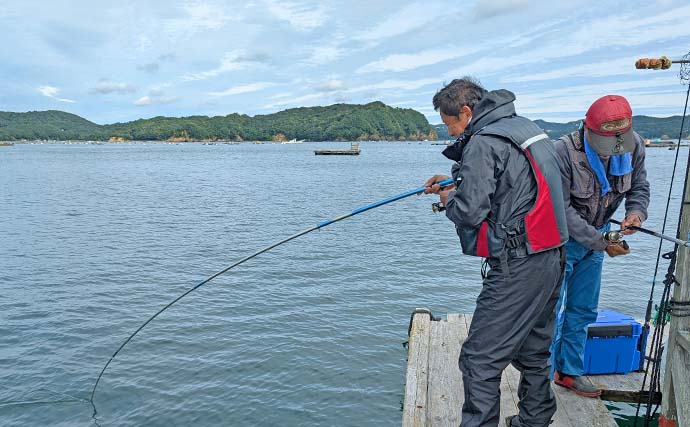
x=433, y=390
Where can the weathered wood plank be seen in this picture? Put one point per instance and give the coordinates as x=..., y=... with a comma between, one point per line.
x=680, y=369
x=509, y=387
x=443, y=382
x=582, y=411
x=675, y=389
x=416, y=381
x=444, y=375
x=683, y=340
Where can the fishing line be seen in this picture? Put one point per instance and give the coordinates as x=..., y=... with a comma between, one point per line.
x=654, y=360
x=322, y=224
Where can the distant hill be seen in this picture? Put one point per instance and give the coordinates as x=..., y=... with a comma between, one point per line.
x=339, y=122
x=44, y=125
x=647, y=127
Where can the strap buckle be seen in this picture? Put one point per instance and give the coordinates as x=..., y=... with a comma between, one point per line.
x=514, y=242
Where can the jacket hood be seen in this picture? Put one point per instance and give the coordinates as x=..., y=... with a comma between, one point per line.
x=493, y=106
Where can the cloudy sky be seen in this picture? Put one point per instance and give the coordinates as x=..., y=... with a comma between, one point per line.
x=119, y=61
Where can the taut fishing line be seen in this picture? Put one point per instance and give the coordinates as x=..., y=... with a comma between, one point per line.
x=72, y=399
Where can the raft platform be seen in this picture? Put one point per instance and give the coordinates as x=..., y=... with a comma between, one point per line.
x=433, y=384
x=353, y=151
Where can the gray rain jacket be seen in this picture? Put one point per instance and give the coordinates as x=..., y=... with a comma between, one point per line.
x=493, y=176
x=586, y=209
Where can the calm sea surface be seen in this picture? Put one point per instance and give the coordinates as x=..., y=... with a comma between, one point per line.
x=96, y=238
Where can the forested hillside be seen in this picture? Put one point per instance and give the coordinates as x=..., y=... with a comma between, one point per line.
x=339, y=122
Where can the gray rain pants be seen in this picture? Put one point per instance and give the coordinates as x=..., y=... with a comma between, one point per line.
x=513, y=323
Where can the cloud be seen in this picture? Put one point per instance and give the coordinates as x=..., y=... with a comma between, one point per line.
x=302, y=16
x=405, y=62
x=408, y=18
x=325, y=54
x=151, y=67
x=143, y=43
x=331, y=86
x=232, y=61
x=492, y=8
x=575, y=99
x=399, y=84
x=613, y=67
x=206, y=15
x=154, y=66
x=199, y=17
x=51, y=92
x=617, y=31
x=105, y=88
x=298, y=101
x=252, y=87
x=144, y=100
x=155, y=97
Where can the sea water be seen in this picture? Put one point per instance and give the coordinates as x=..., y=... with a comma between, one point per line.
x=97, y=238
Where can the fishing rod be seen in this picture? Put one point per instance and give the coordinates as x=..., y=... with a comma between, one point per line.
x=653, y=360
x=654, y=233
x=320, y=225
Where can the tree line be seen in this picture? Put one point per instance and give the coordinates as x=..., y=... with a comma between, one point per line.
x=338, y=122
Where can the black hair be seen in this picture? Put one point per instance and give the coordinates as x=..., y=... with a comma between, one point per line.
x=458, y=93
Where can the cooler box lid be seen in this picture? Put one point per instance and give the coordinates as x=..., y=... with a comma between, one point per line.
x=611, y=324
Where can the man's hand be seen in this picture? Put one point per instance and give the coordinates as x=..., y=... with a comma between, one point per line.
x=630, y=220
x=432, y=187
x=615, y=249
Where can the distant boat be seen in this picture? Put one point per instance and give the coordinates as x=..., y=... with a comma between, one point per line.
x=6, y=144
x=293, y=141
x=353, y=151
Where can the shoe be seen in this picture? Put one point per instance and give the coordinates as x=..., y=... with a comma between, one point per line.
x=580, y=385
x=509, y=421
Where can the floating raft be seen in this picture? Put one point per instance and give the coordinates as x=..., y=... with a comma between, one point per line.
x=433, y=385
x=353, y=151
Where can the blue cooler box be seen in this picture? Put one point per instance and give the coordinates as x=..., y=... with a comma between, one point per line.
x=613, y=344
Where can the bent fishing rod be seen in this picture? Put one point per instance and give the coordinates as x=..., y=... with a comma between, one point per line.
x=654, y=233
x=320, y=225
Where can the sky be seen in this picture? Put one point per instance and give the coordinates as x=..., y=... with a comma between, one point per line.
x=120, y=61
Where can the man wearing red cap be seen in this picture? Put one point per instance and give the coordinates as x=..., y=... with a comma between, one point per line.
x=601, y=164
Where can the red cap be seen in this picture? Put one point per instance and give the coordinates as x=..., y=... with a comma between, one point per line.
x=609, y=119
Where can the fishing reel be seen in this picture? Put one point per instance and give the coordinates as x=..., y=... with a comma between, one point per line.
x=615, y=237
x=438, y=207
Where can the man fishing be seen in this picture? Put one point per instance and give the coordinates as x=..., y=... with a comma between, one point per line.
x=507, y=206
x=601, y=164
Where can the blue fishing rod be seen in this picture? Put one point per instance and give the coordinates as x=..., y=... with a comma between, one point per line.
x=320, y=225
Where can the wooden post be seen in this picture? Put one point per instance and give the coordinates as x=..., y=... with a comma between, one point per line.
x=675, y=407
